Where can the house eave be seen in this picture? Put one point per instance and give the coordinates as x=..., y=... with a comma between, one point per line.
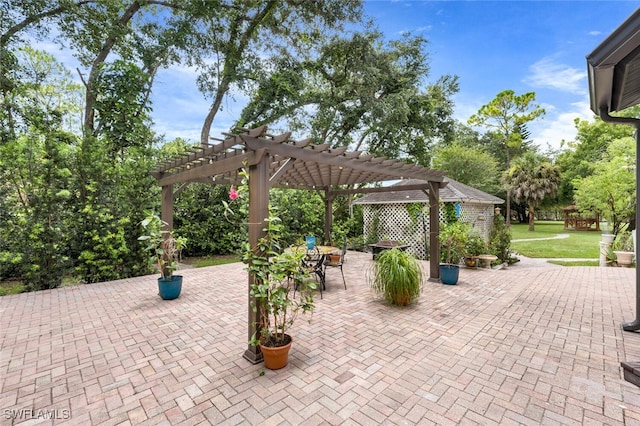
x=613, y=68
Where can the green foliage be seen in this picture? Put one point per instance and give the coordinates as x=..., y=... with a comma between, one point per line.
x=507, y=115
x=475, y=244
x=275, y=274
x=396, y=276
x=453, y=238
x=35, y=170
x=381, y=104
x=10, y=287
x=589, y=147
x=500, y=240
x=623, y=242
x=121, y=105
x=163, y=245
x=199, y=214
x=610, y=190
x=531, y=179
x=302, y=211
x=449, y=212
x=506, y=118
x=472, y=166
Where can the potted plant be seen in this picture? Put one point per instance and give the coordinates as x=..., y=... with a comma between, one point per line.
x=165, y=249
x=278, y=275
x=397, y=276
x=453, y=240
x=475, y=247
x=622, y=248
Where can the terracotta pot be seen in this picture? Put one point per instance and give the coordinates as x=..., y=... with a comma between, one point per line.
x=471, y=261
x=334, y=258
x=276, y=357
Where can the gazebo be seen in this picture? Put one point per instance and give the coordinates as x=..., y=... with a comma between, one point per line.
x=573, y=219
x=388, y=214
x=279, y=161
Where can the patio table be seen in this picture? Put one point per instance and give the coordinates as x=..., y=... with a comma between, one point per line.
x=323, y=250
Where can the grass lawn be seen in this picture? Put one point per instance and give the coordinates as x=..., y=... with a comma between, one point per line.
x=579, y=244
x=201, y=262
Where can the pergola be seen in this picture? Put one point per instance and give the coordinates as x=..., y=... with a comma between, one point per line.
x=278, y=161
x=614, y=84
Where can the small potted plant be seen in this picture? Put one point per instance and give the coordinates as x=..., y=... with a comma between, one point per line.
x=475, y=247
x=165, y=249
x=453, y=240
x=396, y=276
x=622, y=248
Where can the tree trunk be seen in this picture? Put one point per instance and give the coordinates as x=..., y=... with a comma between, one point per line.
x=531, y=216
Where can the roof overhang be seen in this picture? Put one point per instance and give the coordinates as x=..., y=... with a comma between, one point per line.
x=614, y=69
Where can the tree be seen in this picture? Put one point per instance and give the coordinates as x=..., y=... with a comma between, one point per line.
x=381, y=105
x=531, y=179
x=469, y=165
x=121, y=44
x=588, y=148
x=610, y=190
x=36, y=170
x=507, y=115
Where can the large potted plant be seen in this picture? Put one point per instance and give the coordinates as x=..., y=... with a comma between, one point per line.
x=396, y=276
x=622, y=248
x=277, y=276
x=453, y=240
x=165, y=249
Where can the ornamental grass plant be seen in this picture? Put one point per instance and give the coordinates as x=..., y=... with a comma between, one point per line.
x=396, y=276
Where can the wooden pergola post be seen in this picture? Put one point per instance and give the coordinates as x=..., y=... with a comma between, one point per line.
x=258, y=212
x=166, y=211
x=328, y=216
x=434, y=231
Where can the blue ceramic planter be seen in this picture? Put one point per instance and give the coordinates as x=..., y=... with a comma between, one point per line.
x=169, y=288
x=449, y=273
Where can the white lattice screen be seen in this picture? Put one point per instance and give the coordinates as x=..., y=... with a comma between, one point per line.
x=394, y=222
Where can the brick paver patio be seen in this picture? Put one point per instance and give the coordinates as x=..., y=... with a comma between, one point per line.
x=522, y=345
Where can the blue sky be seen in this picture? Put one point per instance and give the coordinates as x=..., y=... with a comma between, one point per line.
x=492, y=46
x=525, y=46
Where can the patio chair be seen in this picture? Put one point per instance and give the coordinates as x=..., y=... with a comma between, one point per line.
x=313, y=263
x=329, y=264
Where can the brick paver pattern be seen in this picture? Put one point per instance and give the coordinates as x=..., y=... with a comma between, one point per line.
x=522, y=345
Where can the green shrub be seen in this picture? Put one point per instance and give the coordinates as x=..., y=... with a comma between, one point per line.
x=500, y=240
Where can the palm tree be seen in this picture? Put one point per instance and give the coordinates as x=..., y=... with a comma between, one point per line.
x=532, y=178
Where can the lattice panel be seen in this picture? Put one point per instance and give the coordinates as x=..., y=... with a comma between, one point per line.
x=395, y=223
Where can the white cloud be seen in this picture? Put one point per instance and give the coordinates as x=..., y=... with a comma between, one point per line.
x=548, y=74
x=559, y=126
